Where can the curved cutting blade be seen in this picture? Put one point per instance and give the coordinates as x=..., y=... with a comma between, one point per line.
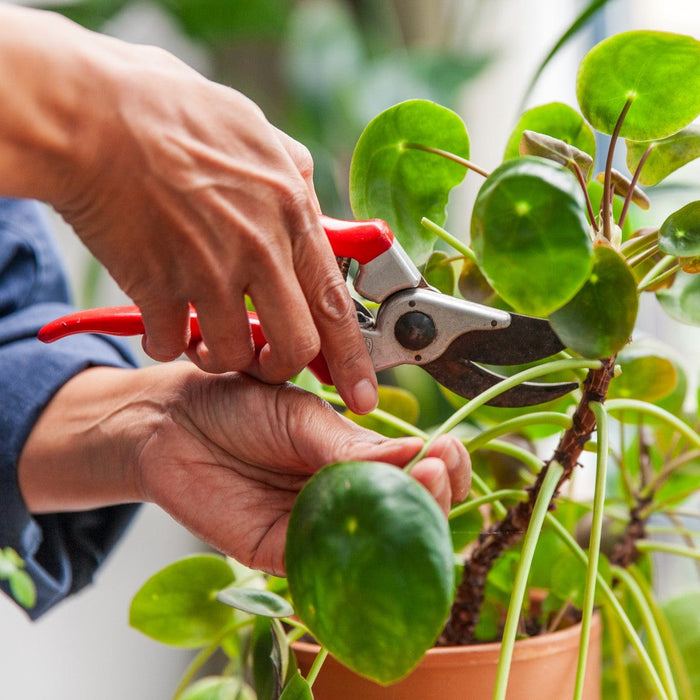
x=526, y=339
x=468, y=380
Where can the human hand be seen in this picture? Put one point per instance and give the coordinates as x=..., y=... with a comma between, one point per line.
x=187, y=194
x=225, y=455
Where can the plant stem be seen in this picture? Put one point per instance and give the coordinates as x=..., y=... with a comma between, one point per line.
x=652, y=631
x=316, y=666
x=667, y=548
x=646, y=283
x=480, y=485
x=508, y=531
x=593, y=545
x=633, y=184
x=607, y=185
x=475, y=503
x=584, y=188
x=617, y=645
x=513, y=424
x=636, y=243
x=549, y=485
x=450, y=156
x=446, y=236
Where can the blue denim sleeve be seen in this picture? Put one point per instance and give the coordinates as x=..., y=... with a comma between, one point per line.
x=62, y=551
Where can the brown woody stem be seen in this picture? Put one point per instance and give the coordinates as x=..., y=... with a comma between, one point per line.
x=508, y=532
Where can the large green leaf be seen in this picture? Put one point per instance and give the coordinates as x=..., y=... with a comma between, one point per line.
x=178, y=604
x=658, y=73
x=682, y=299
x=370, y=567
x=530, y=235
x=599, y=320
x=395, y=177
x=679, y=235
x=555, y=119
x=666, y=156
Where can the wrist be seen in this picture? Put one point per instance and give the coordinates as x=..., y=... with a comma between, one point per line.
x=84, y=450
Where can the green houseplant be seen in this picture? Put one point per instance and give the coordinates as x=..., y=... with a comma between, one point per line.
x=551, y=238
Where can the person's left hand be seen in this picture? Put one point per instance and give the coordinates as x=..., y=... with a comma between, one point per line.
x=225, y=455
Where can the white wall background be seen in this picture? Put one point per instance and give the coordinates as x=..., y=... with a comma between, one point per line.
x=85, y=649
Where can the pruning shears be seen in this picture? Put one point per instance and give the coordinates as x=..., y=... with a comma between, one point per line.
x=449, y=338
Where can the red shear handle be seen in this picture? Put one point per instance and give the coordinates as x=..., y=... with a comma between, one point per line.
x=360, y=240
x=127, y=320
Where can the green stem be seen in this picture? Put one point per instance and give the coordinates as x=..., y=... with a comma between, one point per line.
x=496, y=390
x=450, y=156
x=475, y=503
x=480, y=485
x=530, y=460
x=514, y=424
x=614, y=405
x=643, y=256
x=617, y=644
x=677, y=549
x=316, y=666
x=658, y=269
x=601, y=419
x=636, y=243
x=549, y=486
x=607, y=592
x=652, y=630
x=633, y=184
x=446, y=236
x=667, y=638
x=662, y=277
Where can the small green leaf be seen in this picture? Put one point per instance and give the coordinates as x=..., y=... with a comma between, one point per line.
x=557, y=120
x=178, y=605
x=680, y=234
x=370, y=567
x=666, y=156
x=272, y=662
x=599, y=320
x=682, y=299
x=622, y=186
x=218, y=688
x=647, y=373
x=22, y=588
x=297, y=689
x=395, y=177
x=658, y=73
x=439, y=273
x=255, y=601
x=472, y=284
x=535, y=144
x=530, y=235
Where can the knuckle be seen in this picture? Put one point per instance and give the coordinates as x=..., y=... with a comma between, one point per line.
x=333, y=305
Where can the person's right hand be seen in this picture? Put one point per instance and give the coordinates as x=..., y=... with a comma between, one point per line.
x=187, y=194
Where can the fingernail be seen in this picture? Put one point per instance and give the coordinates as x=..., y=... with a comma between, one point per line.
x=364, y=397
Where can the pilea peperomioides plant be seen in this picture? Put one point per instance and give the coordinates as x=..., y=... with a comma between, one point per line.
x=550, y=237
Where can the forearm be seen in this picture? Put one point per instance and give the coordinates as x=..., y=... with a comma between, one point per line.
x=83, y=451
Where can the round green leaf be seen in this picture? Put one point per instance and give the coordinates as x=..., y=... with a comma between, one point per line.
x=682, y=299
x=393, y=176
x=439, y=273
x=555, y=119
x=648, y=374
x=657, y=72
x=666, y=156
x=370, y=568
x=530, y=235
x=680, y=234
x=255, y=601
x=599, y=320
x=178, y=605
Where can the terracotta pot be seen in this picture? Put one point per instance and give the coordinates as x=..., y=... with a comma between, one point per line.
x=543, y=667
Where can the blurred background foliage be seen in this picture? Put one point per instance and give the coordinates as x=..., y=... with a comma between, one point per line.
x=319, y=69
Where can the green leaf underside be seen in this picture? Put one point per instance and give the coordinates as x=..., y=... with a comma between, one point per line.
x=555, y=119
x=376, y=603
x=667, y=155
x=517, y=209
x=178, y=605
x=393, y=179
x=218, y=688
x=682, y=299
x=680, y=234
x=599, y=320
x=658, y=72
x=255, y=601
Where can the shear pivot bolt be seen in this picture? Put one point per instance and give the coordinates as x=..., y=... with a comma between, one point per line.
x=415, y=330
